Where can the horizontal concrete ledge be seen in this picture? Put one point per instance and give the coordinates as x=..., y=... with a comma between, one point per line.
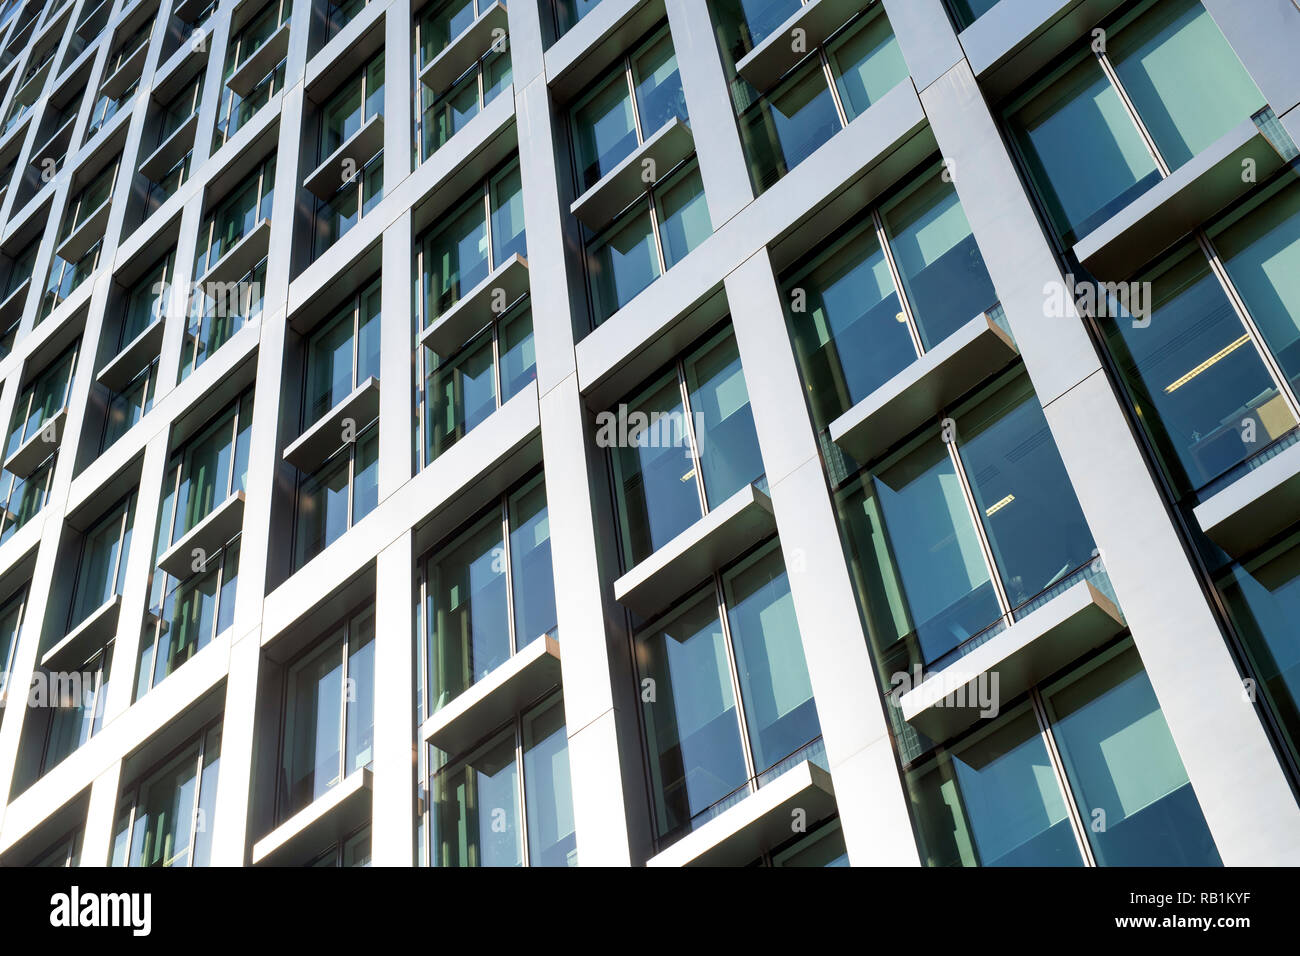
x=762, y=66
x=240, y=258
x=1255, y=507
x=262, y=61
x=596, y=41
x=759, y=823
x=172, y=150
x=976, y=351
x=717, y=539
x=134, y=358
x=186, y=62
x=1170, y=210
x=209, y=536
x=626, y=182
x=93, y=21
x=29, y=456
x=88, y=232
x=465, y=50
x=121, y=79
x=1027, y=652
x=1017, y=38
x=470, y=717
x=357, y=150
x=478, y=307
x=315, y=446
x=343, y=808
x=75, y=648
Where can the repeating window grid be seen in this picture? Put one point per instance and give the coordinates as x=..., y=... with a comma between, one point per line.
x=1198, y=235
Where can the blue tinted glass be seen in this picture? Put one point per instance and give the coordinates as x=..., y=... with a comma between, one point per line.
x=994, y=801
x=1124, y=769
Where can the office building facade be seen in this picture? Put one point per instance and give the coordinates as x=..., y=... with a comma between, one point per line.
x=650, y=432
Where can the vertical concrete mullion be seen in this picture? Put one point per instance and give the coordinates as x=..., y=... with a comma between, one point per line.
x=97, y=839
x=396, y=364
x=869, y=792
x=397, y=95
x=727, y=187
x=231, y=839
x=393, y=826
x=610, y=815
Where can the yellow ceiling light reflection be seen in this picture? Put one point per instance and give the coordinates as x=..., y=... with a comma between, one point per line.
x=1221, y=354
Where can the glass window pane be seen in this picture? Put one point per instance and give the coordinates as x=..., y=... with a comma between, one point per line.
x=1084, y=153
x=691, y=727
x=1024, y=496
x=783, y=128
x=604, y=130
x=724, y=423
x=164, y=821
x=206, y=813
x=683, y=215
x=322, y=508
x=360, y=693
x=365, y=484
x=507, y=216
x=518, y=354
x=530, y=564
x=455, y=259
x=1125, y=771
x=774, y=684
x=1183, y=78
x=922, y=580
x=329, y=366
x=622, y=263
x=461, y=394
x=468, y=627
x=314, y=728
x=1263, y=601
x=654, y=471
x=475, y=808
x=942, y=268
x=659, y=96
x=1260, y=247
x=867, y=64
x=850, y=334
x=552, y=840
x=994, y=801
x=1200, y=387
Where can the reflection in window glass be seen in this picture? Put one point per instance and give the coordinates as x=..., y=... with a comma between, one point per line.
x=1123, y=767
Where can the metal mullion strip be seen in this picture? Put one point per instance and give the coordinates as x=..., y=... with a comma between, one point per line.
x=693, y=448
x=986, y=547
x=496, y=358
x=631, y=94
x=343, y=709
x=1077, y=823
x=746, y=749
x=520, y=786
x=829, y=75
x=1108, y=68
x=1238, y=304
x=654, y=230
x=487, y=228
x=508, y=570
x=909, y=319
x=198, y=797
